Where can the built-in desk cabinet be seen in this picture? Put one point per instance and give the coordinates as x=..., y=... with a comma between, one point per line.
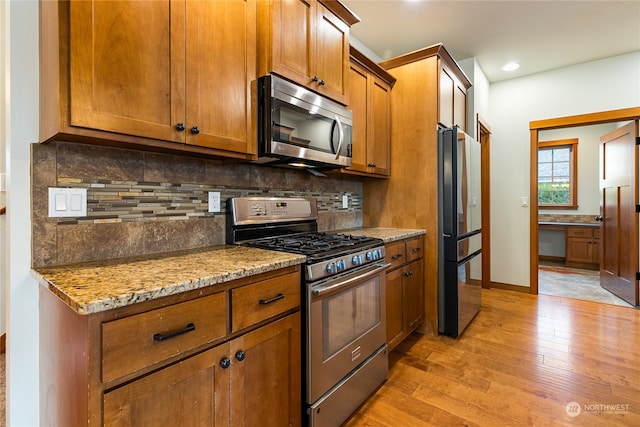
x=160, y=75
x=583, y=247
x=404, y=288
x=210, y=357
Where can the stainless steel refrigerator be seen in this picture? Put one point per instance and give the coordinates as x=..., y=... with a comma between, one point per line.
x=460, y=229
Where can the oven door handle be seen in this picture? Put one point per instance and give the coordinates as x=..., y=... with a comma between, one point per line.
x=340, y=283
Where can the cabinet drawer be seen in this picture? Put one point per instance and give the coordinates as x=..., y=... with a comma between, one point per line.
x=579, y=232
x=135, y=342
x=253, y=303
x=395, y=254
x=414, y=249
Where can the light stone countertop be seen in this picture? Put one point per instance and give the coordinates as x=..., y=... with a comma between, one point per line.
x=99, y=286
x=386, y=234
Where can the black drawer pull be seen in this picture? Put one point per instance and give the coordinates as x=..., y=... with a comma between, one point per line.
x=395, y=257
x=163, y=337
x=270, y=300
x=414, y=250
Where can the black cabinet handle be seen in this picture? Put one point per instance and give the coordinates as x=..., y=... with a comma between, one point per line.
x=195, y=130
x=270, y=300
x=372, y=165
x=163, y=337
x=321, y=82
x=598, y=218
x=395, y=257
x=180, y=126
x=414, y=250
x=240, y=355
x=409, y=273
x=314, y=79
x=225, y=362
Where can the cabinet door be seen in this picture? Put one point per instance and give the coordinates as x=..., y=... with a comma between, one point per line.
x=123, y=76
x=579, y=249
x=193, y=392
x=220, y=65
x=379, y=147
x=358, y=84
x=395, y=308
x=413, y=295
x=293, y=40
x=460, y=107
x=445, y=105
x=332, y=55
x=265, y=375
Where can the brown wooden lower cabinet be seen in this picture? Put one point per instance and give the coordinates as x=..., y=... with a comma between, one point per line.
x=404, y=289
x=249, y=377
x=583, y=247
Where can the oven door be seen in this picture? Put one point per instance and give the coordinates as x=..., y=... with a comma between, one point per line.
x=346, y=325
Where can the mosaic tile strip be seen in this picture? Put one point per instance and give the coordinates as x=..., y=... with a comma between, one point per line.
x=122, y=201
x=582, y=219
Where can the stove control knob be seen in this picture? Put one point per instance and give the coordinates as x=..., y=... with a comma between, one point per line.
x=379, y=253
x=331, y=267
x=341, y=265
x=357, y=260
x=370, y=256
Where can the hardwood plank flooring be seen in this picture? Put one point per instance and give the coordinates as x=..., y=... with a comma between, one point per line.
x=521, y=362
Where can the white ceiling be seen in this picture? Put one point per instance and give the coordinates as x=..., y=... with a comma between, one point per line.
x=540, y=35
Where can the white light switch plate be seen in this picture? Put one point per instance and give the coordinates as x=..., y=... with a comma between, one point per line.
x=67, y=202
x=3, y=181
x=345, y=201
x=214, y=201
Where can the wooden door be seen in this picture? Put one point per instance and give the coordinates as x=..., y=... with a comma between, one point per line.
x=193, y=392
x=358, y=83
x=293, y=40
x=266, y=375
x=332, y=55
x=379, y=141
x=619, y=197
x=220, y=66
x=124, y=77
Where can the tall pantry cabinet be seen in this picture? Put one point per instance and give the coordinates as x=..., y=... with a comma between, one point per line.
x=430, y=92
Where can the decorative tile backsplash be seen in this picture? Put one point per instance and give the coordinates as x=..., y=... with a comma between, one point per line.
x=581, y=219
x=142, y=202
x=121, y=201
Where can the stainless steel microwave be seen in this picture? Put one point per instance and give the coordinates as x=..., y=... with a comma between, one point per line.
x=299, y=128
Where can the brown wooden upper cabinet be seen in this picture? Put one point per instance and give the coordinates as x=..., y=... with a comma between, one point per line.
x=306, y=41
x=150, y=74
x=370, y=101
x=452, y=108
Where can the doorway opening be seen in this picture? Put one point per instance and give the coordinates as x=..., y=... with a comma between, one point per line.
x=550, y=274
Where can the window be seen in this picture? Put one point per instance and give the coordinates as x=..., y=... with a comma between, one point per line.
x=557, y=174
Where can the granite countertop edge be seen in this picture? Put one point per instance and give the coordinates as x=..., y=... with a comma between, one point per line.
x=94, y=287
x=387, y=234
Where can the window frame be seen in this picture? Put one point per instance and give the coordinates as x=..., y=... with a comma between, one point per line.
x=572, y=144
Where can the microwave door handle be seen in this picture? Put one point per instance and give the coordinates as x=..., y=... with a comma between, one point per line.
x=341, y=140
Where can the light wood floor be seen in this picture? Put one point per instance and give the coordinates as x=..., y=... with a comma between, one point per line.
x=520, y=362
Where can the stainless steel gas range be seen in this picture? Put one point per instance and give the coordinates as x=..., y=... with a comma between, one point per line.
x=343, y=292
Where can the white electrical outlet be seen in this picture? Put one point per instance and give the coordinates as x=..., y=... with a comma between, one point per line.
x=3, y=181
x=214, y=201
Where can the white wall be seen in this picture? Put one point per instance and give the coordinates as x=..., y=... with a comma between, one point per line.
x=20, y=113
x=608, y=84
x=477, y=96
x=588, y=165
x=3, y=199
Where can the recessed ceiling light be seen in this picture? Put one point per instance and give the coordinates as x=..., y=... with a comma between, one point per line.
x=511, y=66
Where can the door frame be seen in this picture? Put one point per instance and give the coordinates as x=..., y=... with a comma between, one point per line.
x=535, y=127
x=483, y=134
